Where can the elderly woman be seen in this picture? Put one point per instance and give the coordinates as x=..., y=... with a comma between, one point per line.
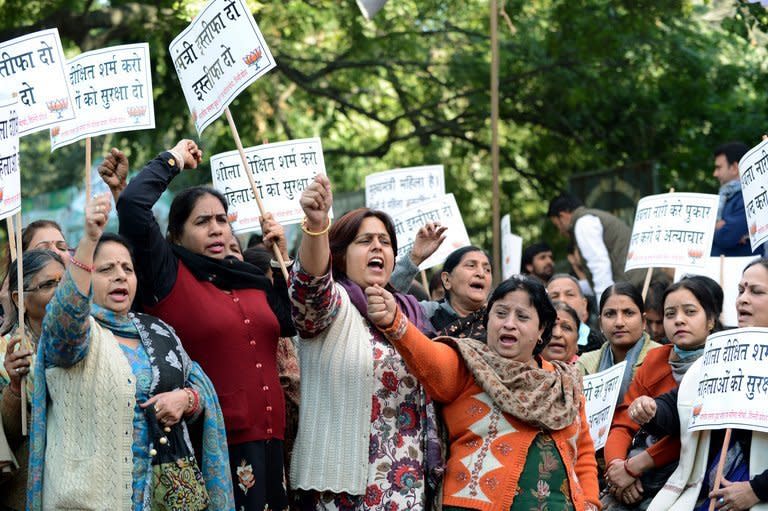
x=519, y=438
x=745, y=470
x=565, y=288
x=621, y=320
x=638, y=463
x=565, y=335
x=229, y=315
x=466, y=279
x=366, y=423
x=43, y=269
x=113, y=394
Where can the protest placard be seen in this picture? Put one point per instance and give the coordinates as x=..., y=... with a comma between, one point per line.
x=511, y=249
x=752, y=169
x=601, y=391
x=398, y=189
x=10, y=172
x=282, y=171
x=33, y=66
x=732, y=390
x=732, y=268
x=443, y=210
x=217, y=56
x=672, y=230
x=112, y=88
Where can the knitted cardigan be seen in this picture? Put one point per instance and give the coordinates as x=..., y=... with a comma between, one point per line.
x=683, y=486
x=336, y=388
x=85, y=461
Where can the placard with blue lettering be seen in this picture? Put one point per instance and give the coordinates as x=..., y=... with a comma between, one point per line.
x=217, y=56
x=730, y=382
x=10, y=172
x=442, y=209
x=282, y=170
x=113, y=93
x=33, y=66
x=672, y=230
x=398, y=189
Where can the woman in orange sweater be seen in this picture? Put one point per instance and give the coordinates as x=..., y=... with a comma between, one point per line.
x=518, y=435
x=638, y=463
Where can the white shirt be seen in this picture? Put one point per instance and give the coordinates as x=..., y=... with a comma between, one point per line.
x=589, y=238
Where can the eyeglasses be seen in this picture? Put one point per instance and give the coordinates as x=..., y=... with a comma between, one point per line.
x=48, y=285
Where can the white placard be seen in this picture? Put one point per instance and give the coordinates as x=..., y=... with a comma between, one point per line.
x=443, y=210
x=732, y=391
x=281, y=170
x=370, y=7
x=395, y=190
x=601, y=391
x=752, y=169
x=10, y=172
x=672, y=230
x=33, y=66
x=113, y=92
x=733, y=267
x=511, y=249
x=217, y=56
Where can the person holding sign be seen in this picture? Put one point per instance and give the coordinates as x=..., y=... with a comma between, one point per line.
x=639, y=464
x=366, y=429
x=519, y=437
x=43, y=269
x=228, y=313
x=745, y=470
x=621, y=320
x=113, y=394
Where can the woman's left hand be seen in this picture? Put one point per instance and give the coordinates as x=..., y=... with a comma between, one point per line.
x=273, y=233
x=734, y=496
x=169, y=406
x=617, y=478
x=382, y=306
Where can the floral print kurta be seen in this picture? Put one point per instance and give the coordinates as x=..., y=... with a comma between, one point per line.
x=398, y=415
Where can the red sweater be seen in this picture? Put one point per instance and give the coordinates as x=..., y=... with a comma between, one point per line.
x=234, y=339
x=653, y=379
x=488, y=448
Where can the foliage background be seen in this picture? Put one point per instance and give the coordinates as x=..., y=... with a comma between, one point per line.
x=585, y=85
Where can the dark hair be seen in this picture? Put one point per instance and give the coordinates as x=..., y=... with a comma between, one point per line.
x=622, y=288
x=259, y=257
x=562, y=306
x=708, y=293
x=33, y=261
x=539, y=300
x=654, y=299
x=733, y=151
x=28, y=232
x=436, y=282
x=762, y=261
x=182, y=207
x=113, y=237
x=455, y=257
x=344, y=231
x=532, y=251
x=565, y=202
x=558, y=276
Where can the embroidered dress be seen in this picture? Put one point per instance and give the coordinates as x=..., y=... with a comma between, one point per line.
x=398, y=438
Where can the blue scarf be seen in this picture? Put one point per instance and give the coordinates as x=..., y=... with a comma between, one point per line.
x=119, y=324
x=727, y=191
x=606, y=362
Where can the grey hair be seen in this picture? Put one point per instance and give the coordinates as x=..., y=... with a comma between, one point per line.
x=34, y=261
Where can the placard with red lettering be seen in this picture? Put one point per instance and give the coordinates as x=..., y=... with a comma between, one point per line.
x=33, y=66
x=10, y=172
x=282, y=171
x=217, y=56
x=112, y=89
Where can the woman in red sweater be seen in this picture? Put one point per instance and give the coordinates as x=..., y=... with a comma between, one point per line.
x=518, y=435
x=638, y=463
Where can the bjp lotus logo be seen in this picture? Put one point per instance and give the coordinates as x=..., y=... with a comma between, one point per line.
x=232, y=217
x=695, y=253
x=630, y=255
x=55, y=131
x=601, y=431
x=1, y=194
x=753, y=229
x=253, y=57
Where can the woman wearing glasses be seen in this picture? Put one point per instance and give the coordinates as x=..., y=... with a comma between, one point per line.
x=43, y=269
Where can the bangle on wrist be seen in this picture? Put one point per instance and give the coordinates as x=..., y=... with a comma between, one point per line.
x=312, y=233
x=628, y=471
x=80, y=265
